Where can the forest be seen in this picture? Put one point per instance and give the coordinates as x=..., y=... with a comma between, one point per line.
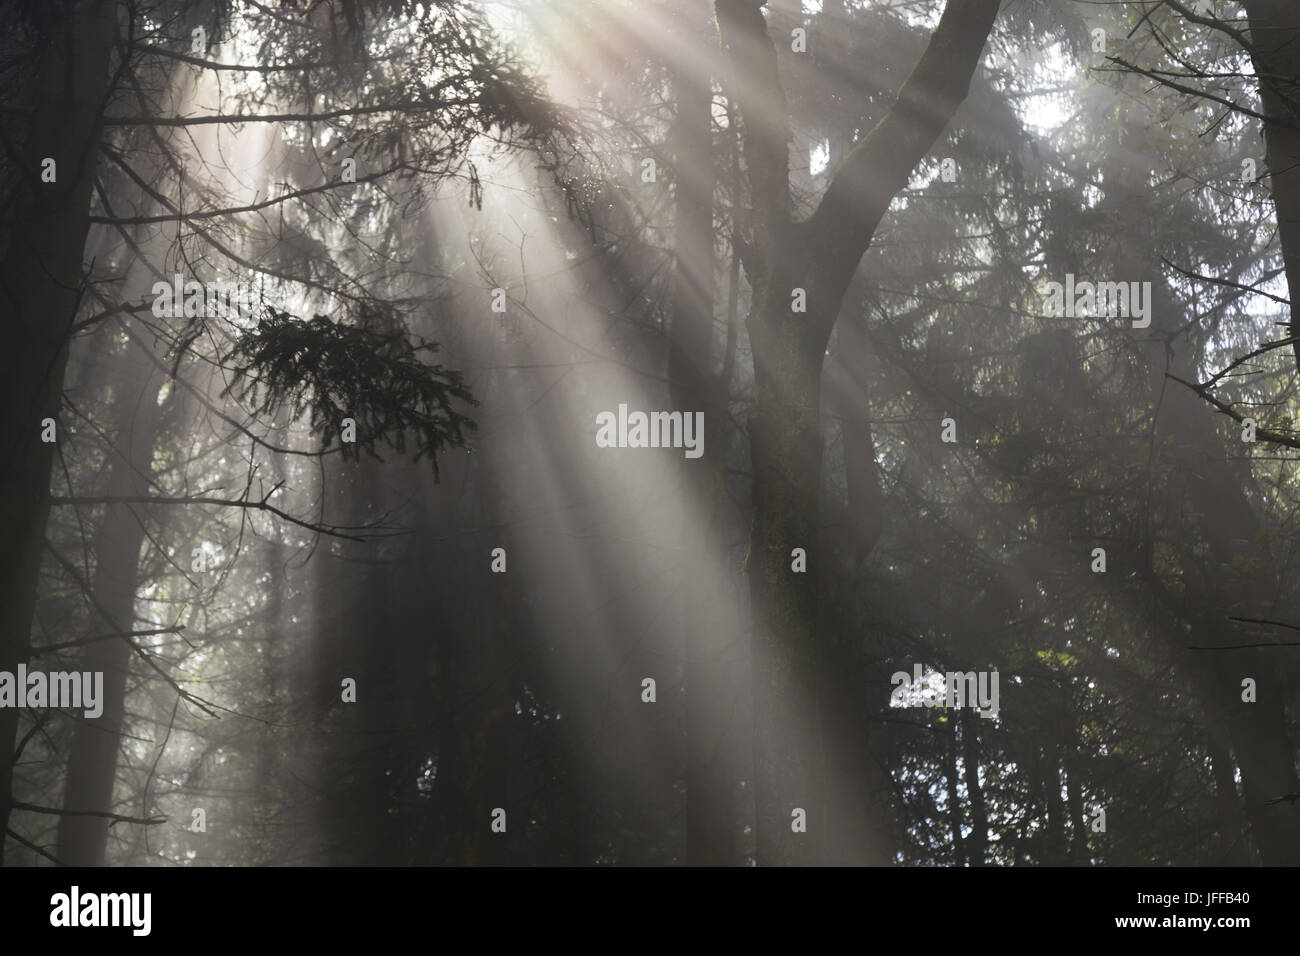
x=649, y=433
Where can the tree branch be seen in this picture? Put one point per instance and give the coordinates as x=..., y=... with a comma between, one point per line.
x=34, y=848
x=333, y=530
x=1264, y=434
x=756, y=87
x=115, y=817
x=879, y=166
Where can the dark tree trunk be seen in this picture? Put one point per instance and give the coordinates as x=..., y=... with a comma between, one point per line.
x=268, y=794
x=1275, y=40
x=40, y=287
x=954, y=800
x=857, y=786
x=708, y=627
x=92, y=761
x=818, y=256
x=979, y=816
x=1231, y=841
x=1054, y=843
x=1078, y=818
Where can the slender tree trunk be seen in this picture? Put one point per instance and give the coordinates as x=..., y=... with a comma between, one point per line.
x=359, y=769
x=857, y=788
x=40, y=287
x=954, y=801
x=1054, y=838
x=709, y=676
x=979, y=816
x=268, y=796
x=1078, y=818
x=92, y=760
x=1231, y=842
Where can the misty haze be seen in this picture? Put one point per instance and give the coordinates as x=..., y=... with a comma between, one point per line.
x=649, y=433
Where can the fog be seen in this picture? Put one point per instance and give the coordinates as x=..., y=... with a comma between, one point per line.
x=594, y=432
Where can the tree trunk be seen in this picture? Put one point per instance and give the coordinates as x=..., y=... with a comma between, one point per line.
x=857, y=787
x=819, y=257
x=268, y=794
x=786, y=454
x=1231, y=839
x=1054, y=843
x=92, y=760
x=40, y=287
x=954, y=801
x=979, y=816
x=709, y=675
x=1078, y=817
x=1275, y=40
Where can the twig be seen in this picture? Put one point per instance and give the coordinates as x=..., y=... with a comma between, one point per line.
x=115, y=817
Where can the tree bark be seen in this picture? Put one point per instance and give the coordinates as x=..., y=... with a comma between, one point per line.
x=857, y=788
x=1275, y=40
x=954, y=800
x=1230, y=842
x=709, y=676
x=818, y=256
x=92, y=760
x=40, y=287
x=979, y=816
